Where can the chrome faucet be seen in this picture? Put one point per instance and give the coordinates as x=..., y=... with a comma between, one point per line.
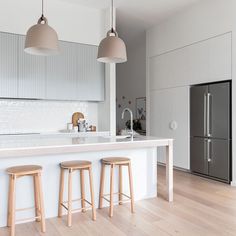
x=131, y=120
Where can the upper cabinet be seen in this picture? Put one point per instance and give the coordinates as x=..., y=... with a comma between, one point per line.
x=62, y=74
x=74, y=74
x=202, y=62
x=8, y=65
x=31, y=76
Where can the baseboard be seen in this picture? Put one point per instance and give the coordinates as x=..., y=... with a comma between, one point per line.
x=174, y=167
x=233, y=184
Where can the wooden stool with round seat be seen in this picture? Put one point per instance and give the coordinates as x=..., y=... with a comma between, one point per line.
x=18, y=172
x=72, y=166
x=112, y=162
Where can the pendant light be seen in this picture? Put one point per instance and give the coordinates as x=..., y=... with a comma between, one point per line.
x=112, y=49
x=41, y=39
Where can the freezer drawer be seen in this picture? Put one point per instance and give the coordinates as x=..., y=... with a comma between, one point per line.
x=219, y=159
x=198, y=153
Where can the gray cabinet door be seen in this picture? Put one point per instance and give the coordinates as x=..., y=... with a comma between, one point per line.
x=8, y=65
x=198, y=153
x=90, y=74
x=219, y=159
x=32, y=78
x=61, y=77
x=198, y=111
x=219, y=104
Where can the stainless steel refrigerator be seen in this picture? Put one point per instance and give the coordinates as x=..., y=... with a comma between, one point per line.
x=210, y=130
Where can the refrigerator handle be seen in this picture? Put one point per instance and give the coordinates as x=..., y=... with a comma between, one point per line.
x=208, y=115
x=209, y=159
x=205, y=114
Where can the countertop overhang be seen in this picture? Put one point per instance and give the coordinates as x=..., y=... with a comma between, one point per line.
x=37, y=145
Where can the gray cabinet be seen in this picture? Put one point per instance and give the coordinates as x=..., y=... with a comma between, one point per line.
x=32, y=69
x=8, y=65
x=74, y=74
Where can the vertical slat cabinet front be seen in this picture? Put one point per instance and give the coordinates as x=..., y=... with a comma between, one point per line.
x=32, y=74
x=61, y=73
x=90, y=74
x=8, y=65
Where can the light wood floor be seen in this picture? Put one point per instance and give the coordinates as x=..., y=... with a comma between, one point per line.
x=201, y=208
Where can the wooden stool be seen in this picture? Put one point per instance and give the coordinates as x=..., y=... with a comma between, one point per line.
x=112, y=162
x=21, y=171
x=71, y=166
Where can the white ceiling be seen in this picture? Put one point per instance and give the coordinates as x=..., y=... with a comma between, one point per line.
x=134, y=16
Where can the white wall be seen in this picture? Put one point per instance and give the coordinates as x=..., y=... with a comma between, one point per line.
x=130, y=82
x=73, y=23
x=201, y=21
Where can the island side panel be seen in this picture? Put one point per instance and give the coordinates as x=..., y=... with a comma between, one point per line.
x=144, y=167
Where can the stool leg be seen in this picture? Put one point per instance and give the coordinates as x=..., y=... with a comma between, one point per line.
x=40, y=194
x=69, y=222
x=111, y=190
x=9, y=202
x=36, y=199
x=13, y=202
x=82, y=190
x=92, y=193
x=120, y=185
x=61, y=192
x=102, y=186
x=131, y=187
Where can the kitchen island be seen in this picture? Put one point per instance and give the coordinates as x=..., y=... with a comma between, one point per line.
x=49, y=150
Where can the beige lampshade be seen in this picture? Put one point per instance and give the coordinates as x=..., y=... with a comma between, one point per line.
x=112, y=49
x=41, y=39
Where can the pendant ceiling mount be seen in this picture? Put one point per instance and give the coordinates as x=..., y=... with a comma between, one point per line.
x=112, y=49
x=41, y=39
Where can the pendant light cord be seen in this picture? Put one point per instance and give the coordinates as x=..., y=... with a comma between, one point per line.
x=42, y=8
x=112, y=15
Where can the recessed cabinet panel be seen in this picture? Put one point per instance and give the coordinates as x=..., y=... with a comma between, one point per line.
x=170, y=119
x=61, y=73
x=8, y=65
x=32, y=69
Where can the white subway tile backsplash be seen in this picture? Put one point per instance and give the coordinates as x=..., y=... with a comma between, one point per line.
x=42, y=116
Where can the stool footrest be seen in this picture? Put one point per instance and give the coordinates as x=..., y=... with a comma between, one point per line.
x=120, y=201
x=28, y=219
x=78, y=209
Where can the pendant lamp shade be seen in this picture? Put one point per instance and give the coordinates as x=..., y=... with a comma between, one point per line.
x=112, y=49
x=41, y=39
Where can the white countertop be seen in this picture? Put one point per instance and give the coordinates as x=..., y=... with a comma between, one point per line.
x=31, y=145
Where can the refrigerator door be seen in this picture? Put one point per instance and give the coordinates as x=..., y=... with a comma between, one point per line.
x=198, y=153
x=219, y=111
x=219, y=159
x=198, y=111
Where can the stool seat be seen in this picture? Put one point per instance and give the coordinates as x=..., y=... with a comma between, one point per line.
x=115, y=160
x=24, y=170
x=75, y=164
